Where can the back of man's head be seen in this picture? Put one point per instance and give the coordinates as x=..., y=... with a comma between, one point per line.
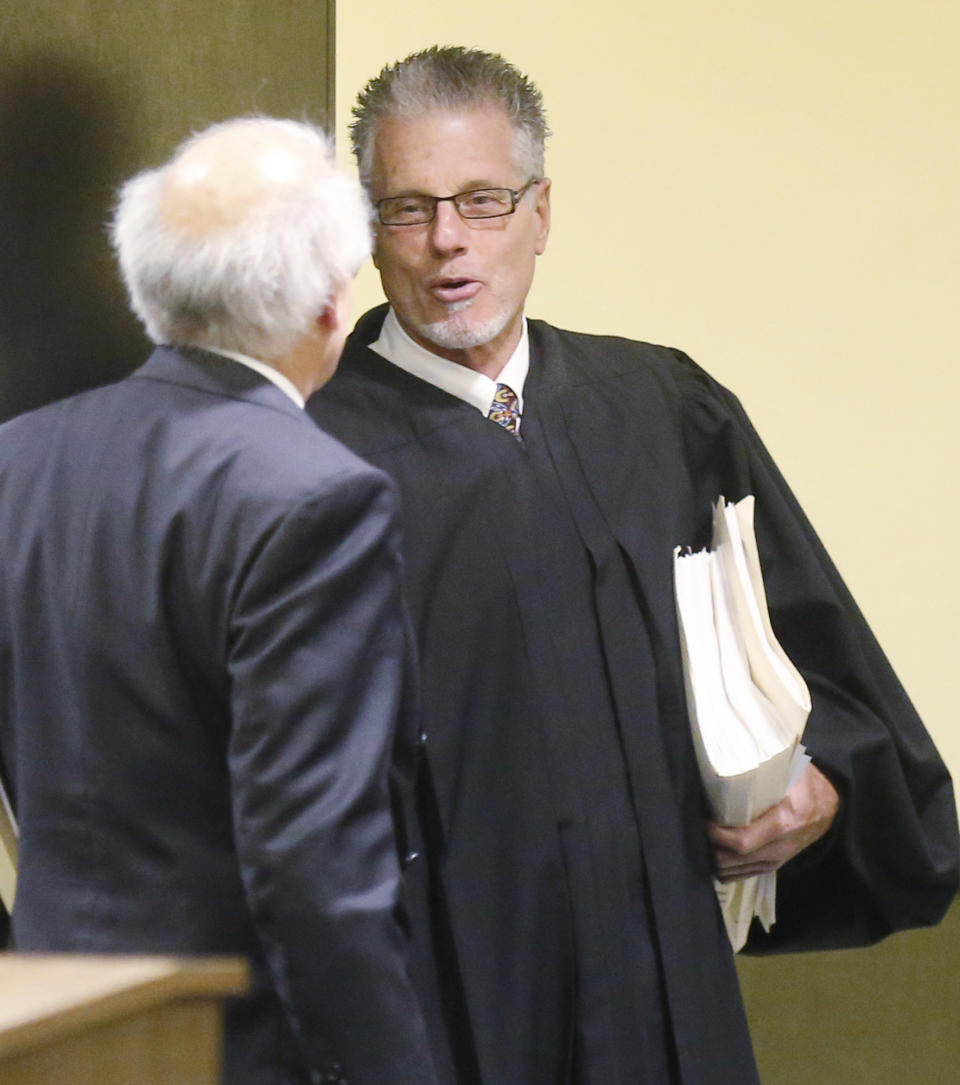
x=242, y=238
x=450, y=78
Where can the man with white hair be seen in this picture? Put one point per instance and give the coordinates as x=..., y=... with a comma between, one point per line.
x=566, y=927
x=203, y=651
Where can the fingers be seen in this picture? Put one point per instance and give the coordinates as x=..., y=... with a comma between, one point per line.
x=769, y=826
x=780, y=833
x=732, y=866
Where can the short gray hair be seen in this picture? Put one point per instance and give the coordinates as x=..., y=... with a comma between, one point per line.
x=446, y=77
x=256, y=285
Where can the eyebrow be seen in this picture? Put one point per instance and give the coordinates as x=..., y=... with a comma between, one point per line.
x=482, y=184
x=468, y=186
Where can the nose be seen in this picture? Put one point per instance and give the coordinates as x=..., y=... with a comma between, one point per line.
x=448, y=230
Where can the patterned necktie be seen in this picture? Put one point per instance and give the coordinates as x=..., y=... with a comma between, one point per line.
x=505, y=409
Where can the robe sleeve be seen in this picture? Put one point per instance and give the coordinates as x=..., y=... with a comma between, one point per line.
x=891, y=859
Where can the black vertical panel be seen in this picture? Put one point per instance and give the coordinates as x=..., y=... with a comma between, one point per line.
x=90, y=92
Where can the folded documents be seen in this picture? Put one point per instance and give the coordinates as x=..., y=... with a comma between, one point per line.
x=8, y=851
x=747, y=702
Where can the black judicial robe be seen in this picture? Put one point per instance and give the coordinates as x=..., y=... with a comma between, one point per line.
x=564, y=922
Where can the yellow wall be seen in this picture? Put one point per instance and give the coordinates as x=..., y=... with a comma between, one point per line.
x=774, y=188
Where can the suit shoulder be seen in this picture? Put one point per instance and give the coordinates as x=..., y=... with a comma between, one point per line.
x=37, y=427
x=290, y=455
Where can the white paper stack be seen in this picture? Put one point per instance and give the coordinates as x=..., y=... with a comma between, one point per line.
x=8, y=851
x=747, y=702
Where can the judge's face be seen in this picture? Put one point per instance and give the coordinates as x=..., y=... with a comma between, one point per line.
x=458, y=286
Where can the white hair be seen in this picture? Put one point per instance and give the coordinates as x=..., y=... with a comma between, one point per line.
x=256, y=284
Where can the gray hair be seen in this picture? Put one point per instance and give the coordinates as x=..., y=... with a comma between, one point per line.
x=446, y=77
x=256, y=285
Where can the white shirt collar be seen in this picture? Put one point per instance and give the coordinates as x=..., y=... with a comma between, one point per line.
x=281, y=380
x=474, y=388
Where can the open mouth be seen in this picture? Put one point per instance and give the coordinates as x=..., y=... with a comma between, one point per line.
x=454, y=289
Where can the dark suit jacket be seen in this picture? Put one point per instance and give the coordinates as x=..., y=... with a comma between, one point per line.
x=203, y=655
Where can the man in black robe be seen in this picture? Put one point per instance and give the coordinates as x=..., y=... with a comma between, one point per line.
x=564, y=919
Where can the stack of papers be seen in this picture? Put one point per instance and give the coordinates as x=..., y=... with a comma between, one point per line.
x=747, y=702
x=8, y=851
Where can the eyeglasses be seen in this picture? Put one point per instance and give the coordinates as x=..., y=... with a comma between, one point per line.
x=478, y=203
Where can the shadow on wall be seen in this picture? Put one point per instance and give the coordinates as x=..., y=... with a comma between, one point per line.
x=64, y=324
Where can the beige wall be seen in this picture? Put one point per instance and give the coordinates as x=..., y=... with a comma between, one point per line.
x=774, y=188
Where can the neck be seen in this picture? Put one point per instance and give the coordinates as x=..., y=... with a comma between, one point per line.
x=304, y=382
x=310, y=363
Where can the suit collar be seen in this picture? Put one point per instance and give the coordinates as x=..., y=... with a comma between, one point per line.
x=214, y=374
x=281, y=380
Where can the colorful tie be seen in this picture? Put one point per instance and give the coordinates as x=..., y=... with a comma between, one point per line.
x=505, y=409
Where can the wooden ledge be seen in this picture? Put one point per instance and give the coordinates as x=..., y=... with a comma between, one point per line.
x=45, y=998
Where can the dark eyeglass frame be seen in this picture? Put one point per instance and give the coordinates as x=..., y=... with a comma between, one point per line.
x=515, y=194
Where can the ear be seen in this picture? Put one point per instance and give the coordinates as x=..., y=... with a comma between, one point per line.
x=542, y=210
x=336, y=313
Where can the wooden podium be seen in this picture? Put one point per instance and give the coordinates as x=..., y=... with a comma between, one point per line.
x=89, y=1020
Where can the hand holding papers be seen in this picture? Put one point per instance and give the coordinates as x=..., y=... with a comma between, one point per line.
x=747, y=702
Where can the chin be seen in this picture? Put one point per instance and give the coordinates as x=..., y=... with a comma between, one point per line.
x=459, y=332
